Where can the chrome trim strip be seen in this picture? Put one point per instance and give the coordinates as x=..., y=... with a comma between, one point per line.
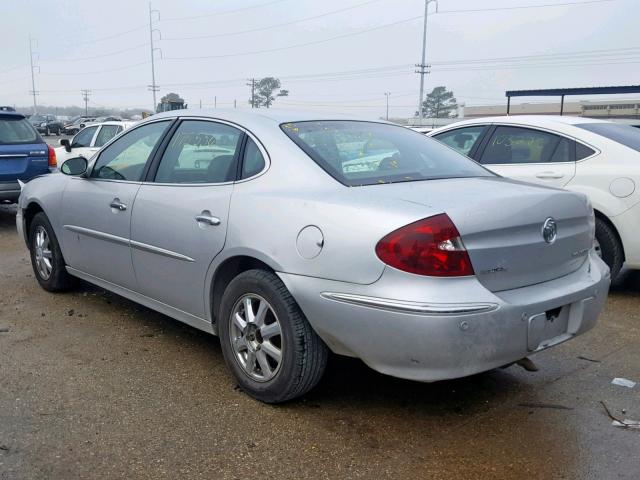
x=14, y=155
x=99, y=235
x=411, y=307
x=160, y=251
x=129, y=243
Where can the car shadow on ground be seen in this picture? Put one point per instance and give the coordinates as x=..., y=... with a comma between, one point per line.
x=7, y=218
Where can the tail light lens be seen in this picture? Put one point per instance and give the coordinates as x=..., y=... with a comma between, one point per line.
x=431, y=246
x=53, y=162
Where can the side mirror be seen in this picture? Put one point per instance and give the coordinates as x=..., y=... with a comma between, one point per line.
x=75, y=166
x=65, y=143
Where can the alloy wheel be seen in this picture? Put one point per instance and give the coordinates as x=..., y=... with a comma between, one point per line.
x=43, y=254
x=256, y=337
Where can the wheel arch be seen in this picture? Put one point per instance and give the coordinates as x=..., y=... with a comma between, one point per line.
x=227, y=270
x=606, y=220
x=33, y=208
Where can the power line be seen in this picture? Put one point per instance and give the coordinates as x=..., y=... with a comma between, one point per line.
x=108, y=70
x=521, y=7
x=306, y=44
x=277, y=25
x=93, y=57
x=224, y=12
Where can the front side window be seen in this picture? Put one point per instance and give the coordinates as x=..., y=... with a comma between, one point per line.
x=253, y=161
x=516, y=145
x=126, y=157
x=83, y=138
x=462, y=139
x=368, y=153
x=17, y=130
x=200, y=152
x=106, y=133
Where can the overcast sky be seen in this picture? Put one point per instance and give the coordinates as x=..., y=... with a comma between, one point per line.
x=104, y=46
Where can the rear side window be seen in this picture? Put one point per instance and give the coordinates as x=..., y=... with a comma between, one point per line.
x=17, y=130
x=368, y=153
x=624, y=134
x=462, y=139
x=106, y=133
x=516, y=145
x=582, y=151
x=200, y=152
x=253, y=161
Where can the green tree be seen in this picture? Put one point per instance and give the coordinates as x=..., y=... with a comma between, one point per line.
x=440, y=103
x=265, y=92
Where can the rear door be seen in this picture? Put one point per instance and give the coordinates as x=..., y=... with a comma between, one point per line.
x=96, y=211
x=530, y=155
x=180, y=216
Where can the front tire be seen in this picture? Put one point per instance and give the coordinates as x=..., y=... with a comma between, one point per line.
x=608, y=247
x=46, y=256
x=267, y=342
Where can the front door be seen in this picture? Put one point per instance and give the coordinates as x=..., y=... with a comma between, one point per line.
x=96, y=211
x=530, y=155
x=179, y=221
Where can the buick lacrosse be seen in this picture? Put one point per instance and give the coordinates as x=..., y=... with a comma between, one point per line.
x=291, y=235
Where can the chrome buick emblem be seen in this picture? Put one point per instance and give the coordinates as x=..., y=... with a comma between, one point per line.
x=549, y=230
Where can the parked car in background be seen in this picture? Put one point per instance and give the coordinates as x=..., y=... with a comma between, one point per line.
x=89, y=140
x=23, y=154
x=7, y=108
x=598, y=158
x=46, y=124
x=73, y=126
x=289, y=234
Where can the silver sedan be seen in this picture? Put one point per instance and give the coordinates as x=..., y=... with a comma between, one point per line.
x=291, y=236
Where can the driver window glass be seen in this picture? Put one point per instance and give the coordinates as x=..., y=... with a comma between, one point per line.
x=200, y=152
x=106, y=133
x=462, y=139
x=126, y=157
x=83, y=139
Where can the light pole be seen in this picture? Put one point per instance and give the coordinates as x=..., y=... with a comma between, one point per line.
x=422, y=66
x=386, y=94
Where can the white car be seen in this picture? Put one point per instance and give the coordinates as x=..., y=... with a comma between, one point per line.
x=89, y=140
x=598, y=158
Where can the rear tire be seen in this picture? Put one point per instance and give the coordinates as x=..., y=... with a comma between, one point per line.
x=301, y=357
x=47, y=132
x=609, y=247
x=46, y=256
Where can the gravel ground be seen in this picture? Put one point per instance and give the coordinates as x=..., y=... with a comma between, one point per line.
x=93, y=386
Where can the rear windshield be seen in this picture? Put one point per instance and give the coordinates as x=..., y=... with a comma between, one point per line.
x=624, y=134
x=17, y=130
x=367, y=153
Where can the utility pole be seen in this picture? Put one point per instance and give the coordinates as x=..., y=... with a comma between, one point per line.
x=252, y=84
x=235, y=104
x=153, y=87
x=215, y=102
x=386, y=94
x=200, y=103
x=33, y=91
x=85, y=96
x=423, y=68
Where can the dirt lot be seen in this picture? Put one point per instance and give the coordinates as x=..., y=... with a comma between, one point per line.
x=94, y=386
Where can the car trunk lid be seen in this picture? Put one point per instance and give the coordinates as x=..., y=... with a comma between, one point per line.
x=501, y=224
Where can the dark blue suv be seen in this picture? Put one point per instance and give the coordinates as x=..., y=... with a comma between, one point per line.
x=23, y=154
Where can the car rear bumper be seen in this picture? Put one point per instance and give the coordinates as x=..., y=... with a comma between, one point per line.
x=9, y=191
x=436, y=335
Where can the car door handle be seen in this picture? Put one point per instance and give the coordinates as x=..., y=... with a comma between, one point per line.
x=208, y=219
x=118, y=205
x=549, y=175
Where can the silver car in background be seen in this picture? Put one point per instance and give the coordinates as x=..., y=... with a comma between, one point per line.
x=290, y=235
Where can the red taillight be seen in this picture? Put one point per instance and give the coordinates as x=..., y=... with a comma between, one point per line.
x=431, y=246
x=53, y=163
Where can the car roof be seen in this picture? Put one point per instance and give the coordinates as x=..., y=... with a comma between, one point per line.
x=259, y=117
x=6, y=113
